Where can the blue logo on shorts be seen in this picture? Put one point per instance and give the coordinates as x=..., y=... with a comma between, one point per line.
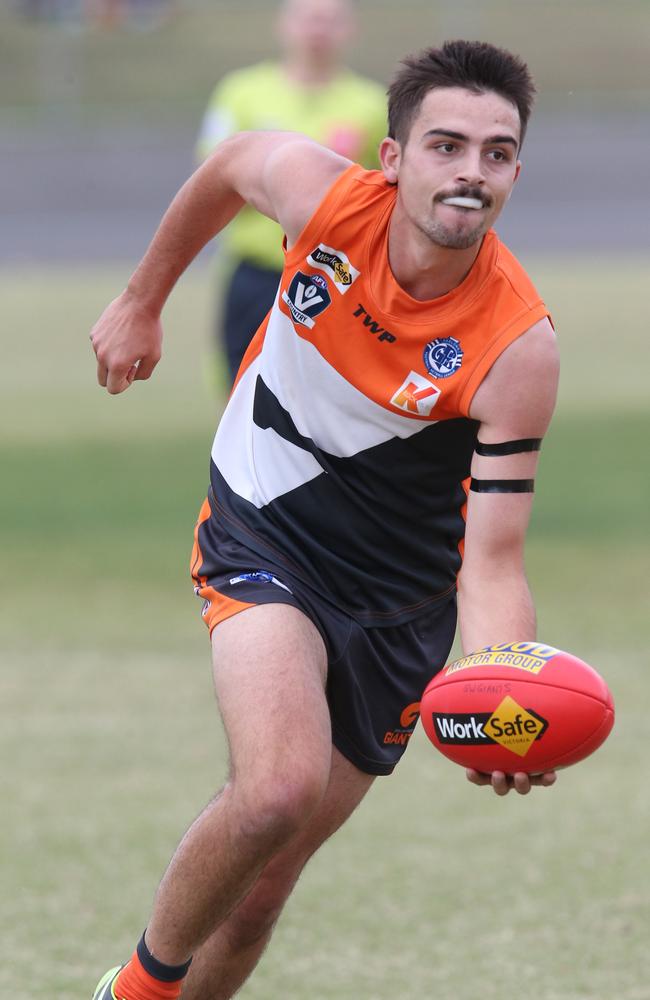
x=443, y=357
x=259, y=576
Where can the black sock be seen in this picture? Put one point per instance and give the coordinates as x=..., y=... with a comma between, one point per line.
x=157, y=969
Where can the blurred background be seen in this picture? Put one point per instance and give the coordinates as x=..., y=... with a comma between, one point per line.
x=109, y=741
x=102, y=101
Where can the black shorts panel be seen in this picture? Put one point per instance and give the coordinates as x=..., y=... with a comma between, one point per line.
x=374, y=689
x=375, y=675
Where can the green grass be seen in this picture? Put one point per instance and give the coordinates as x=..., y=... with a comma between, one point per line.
x=111, y=744
x=579, y=50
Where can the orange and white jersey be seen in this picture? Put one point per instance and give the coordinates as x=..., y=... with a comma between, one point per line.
x=347, y=440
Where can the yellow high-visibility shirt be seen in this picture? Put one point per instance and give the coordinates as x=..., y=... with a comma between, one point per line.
x=348, y=115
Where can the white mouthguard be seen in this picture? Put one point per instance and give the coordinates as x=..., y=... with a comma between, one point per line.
x=463, y=202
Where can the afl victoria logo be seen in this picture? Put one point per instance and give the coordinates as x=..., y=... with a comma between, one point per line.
x=306, y=297
x=443, y=357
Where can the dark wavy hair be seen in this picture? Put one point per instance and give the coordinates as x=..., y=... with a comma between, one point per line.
x=475, y=66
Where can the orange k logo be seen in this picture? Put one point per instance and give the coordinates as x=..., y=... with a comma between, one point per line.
x=409, y=397
x=416, y=395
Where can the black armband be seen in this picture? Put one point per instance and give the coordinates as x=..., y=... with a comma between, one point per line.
x=508, y=447
x=502, y=485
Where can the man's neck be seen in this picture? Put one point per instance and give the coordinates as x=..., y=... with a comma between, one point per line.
x=423, y=269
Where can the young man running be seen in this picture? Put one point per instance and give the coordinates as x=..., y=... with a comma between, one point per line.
x=406, y=352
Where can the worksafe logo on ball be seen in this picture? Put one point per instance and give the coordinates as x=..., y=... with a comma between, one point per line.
x=443, y=356
x=306, y=297
x=336, y=264
x=510, y=725
x=416, y=395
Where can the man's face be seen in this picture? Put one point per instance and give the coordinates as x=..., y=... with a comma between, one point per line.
x=458, y=166
x=320, y=28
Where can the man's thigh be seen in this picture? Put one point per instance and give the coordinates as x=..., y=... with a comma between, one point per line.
x=270, y=670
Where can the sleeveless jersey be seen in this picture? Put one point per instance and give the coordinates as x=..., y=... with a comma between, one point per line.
x=345, y=446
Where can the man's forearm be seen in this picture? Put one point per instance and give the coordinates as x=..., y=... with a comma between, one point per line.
x=495, y=608
x=205, y=204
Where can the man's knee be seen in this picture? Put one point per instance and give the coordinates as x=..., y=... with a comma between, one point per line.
x=270, y=811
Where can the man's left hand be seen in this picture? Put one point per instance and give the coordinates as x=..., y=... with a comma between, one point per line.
x=520, y=781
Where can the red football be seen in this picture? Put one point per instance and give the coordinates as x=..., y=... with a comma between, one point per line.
x=519, y=706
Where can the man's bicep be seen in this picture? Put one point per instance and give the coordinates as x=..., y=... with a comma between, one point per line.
x=297, y=177
x=514, y=406
x=283, y=175
x=517, y=397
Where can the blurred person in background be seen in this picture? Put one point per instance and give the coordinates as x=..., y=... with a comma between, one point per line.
x=308, y=90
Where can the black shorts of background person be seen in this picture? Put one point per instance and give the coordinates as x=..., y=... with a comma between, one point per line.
x=248, y=298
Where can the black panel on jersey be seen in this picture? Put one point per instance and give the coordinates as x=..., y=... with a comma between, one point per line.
x=268, y=412
x=374, y=533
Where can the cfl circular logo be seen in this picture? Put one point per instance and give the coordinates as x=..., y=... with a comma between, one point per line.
x=443, y=356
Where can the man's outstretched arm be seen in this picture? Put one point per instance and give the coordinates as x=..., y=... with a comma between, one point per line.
x=281, y=174
x=514, y=406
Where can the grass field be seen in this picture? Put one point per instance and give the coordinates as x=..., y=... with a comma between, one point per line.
x=110, y=742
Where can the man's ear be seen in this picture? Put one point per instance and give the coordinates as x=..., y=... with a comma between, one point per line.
x=390, y=156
